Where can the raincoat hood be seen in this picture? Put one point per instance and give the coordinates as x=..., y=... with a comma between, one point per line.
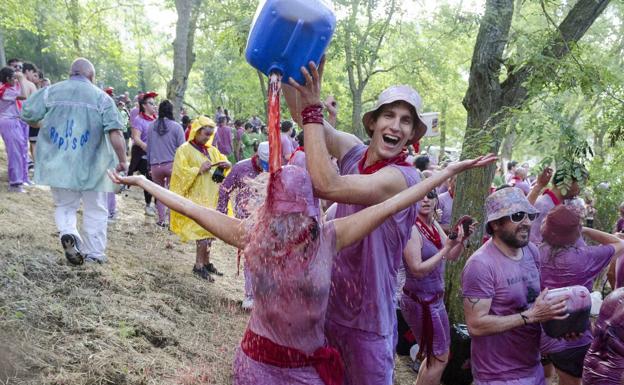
x=199, y=123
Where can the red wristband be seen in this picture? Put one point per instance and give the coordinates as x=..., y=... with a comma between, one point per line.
x=312, y=114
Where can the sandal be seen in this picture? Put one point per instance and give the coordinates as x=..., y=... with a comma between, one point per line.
x=211, y=269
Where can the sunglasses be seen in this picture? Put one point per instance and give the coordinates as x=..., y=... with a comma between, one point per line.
x=17, y=67
x=432, y=195
x=519, y=217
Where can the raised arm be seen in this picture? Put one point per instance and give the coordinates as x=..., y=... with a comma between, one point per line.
x=356, y=226
x=542, y=181
x=605, y=239
x=229, y=230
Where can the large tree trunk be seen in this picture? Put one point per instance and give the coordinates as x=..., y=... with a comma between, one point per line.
x=356, y=115
x=487, y=100
x=264, y=91
x=183, y=55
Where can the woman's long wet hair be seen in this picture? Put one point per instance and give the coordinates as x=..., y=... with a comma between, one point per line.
x=165, y=110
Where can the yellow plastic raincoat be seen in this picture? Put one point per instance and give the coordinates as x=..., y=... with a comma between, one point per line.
x=187, y=182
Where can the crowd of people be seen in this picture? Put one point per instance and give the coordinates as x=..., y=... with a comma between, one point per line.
x=339, y=238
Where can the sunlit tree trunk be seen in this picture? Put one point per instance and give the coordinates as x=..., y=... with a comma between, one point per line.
x=183, y=55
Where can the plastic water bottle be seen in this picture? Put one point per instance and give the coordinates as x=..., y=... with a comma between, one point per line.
x=287, y=34
x=578, y=306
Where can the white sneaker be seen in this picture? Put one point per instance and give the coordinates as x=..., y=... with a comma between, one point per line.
x=248, y=303
x=149, y=211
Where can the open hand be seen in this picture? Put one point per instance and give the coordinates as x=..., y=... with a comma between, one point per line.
x=331, y=105
x=131, y=180
x=482, y=161
x=310, y=93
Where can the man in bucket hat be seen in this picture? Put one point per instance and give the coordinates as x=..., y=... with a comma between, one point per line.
x=361, y=316
x=502, y=300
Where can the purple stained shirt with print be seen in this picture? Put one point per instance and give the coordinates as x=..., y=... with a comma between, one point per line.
x=223, y=140
x=512, y=286
x=237, y=182
x=445, y=203
x=569, y=267
x=364, y=276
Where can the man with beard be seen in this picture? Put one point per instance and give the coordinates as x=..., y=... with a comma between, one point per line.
x=502, y=300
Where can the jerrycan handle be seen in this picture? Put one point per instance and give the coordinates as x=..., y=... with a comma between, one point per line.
x=293, y=38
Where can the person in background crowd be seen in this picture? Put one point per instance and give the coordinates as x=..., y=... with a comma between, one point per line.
x=563, y=263
x=502, y=300
x=81, y=138
x=519, y=180
x=422, y=163
x=193, y=177
x=445, y=203
x=550, y=198
x=140, y=129
x=422, y=302
x=604, y=362
x=164, y=137
x=590, y=212
x=287, y=144
x=13, y=129
x=511, y=171
x=256, y=122
x=237, y=143
x=45, y=82
x=219, y=113
x=250, y=141
x=619, y=225
x=237, y=182
x=223, y=137
x=186, y=125
x=228, y=118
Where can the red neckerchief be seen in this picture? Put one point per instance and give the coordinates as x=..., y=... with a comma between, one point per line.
x=431, y=233
x=147, y=117
x=254, y=162
x=399, y=160
x=552, y=196
x=200, y=148
x=516, y=178
x=300, y=148
x=452, y=194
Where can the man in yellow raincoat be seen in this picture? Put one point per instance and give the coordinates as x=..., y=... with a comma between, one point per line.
x=193, y=177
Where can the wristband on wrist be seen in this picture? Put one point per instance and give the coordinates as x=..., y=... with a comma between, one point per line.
x=525, y=319
x=312, y=114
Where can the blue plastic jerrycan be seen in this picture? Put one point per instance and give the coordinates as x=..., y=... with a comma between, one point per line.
x=287, y=34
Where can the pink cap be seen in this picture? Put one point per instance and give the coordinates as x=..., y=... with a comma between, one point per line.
x=290, y=192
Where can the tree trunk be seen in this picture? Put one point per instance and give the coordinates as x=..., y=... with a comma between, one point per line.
x=183, y=55
x=508, y=143
x=442, y=123
x=356, y=115
x=74, y=17
x=487, y=101
x=2, y=51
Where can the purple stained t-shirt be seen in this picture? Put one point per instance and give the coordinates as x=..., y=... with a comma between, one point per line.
x=432, y=283
x=8, y=106
x=237, y=181
x=445, y=203
x=512, y=286
x=142, y=125
x=619, y=273
x=364, y=276
x=569, y=267
x=223, y=140
x=523, y=185
x=162, y=148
